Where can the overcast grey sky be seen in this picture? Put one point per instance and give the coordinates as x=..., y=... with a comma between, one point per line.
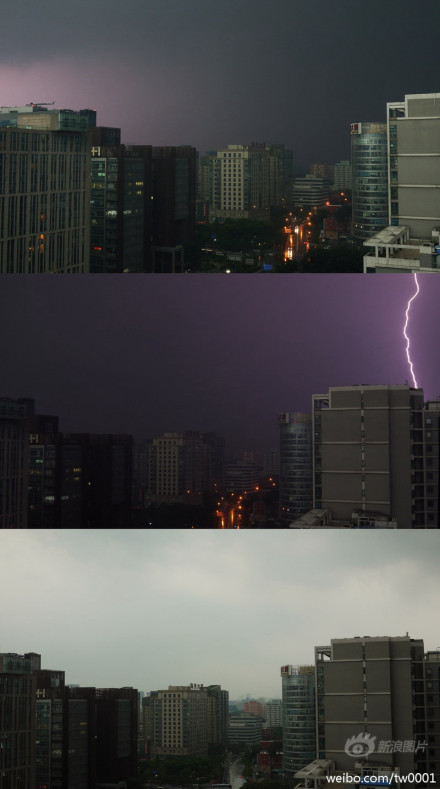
x=149, y=609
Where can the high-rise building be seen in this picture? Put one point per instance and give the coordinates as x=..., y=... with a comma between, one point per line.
x=174, y=212
x=369, y=162
x=181, y=467
x=296, y=489
x=44, y=190
x=14, y=417
x=17, y=721
x=218, y=715
x=51, y=726
x=121, y=207
x=431, y=453
x=411, y=242
x=370, y=691
x=116, y=735
x=414, y=163
x=245, y=181
x=432, y=696
x=299, y=738
x=370, y=455
x=272, y=712
x=176, y=721
x=77, y=480
x=342, y=175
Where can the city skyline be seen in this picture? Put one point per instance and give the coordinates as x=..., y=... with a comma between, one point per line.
x=220, y=353
x=206, y=608
x=208, y=74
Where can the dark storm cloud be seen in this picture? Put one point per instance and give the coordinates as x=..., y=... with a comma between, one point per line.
x=145, y=354
x=210, y=73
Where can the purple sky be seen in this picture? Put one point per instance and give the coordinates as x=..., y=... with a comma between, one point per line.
x=144, y=354
x=210, y=73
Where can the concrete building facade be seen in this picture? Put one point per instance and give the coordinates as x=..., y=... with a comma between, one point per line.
x=413, y=128
x=370, y=688
x=245, y=181
x=368, y=454
x=245, y=730
x=411, y=242
x=176, y=721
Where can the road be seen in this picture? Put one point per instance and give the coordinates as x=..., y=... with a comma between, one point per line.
x=236, y=774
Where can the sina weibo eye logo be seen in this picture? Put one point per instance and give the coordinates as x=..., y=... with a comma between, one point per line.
x=361, y=745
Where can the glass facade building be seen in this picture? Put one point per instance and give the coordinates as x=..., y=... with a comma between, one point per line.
x=369, y=159
x=296, y=488
x=299, y=735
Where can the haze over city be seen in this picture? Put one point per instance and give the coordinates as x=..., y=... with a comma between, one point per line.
x=209, y=73
x=210, y=353
x=115, y=608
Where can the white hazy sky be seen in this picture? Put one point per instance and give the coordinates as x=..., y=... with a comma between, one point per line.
x=154, y=608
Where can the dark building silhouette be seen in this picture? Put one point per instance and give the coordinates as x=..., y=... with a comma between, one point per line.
x=17, y=721
x=14, y=415
x=120, y=211
x=174, y=201
x=116, y=729
x=78, y=480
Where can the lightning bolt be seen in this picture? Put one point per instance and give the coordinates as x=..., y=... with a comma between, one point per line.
x=411, y=366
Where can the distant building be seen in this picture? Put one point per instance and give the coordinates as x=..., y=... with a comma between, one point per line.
x=181, y=467
x=272, y=712
x=369, y=178
x=44, y=190
x=176, y=721
x=299, y=737
x=342, y=175
x=253, y=708
x=245, y=730
x=245, y=181
x=271, y=462
x=322, y=169
x=241, y=476
x=312, y=191
x=296, y=489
